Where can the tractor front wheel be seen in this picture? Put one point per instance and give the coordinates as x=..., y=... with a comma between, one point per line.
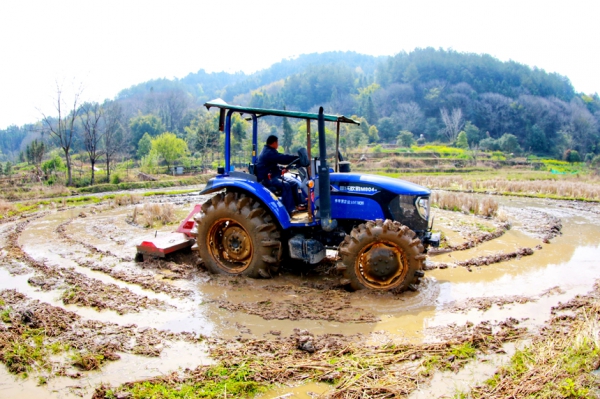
x=236, y=236
x=382, y=256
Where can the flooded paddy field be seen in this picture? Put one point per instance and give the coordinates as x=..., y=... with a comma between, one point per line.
x=79, y=317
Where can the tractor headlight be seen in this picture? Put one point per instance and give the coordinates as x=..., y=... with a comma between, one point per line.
x=422, y=205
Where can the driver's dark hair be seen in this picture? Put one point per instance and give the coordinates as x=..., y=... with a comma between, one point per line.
x=272, y=139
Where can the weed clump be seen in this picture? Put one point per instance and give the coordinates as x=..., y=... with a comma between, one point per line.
x=127, y=199
x=87, y=361
x=150, y=214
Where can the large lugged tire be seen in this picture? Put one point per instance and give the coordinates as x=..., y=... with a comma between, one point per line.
x=236, y=236
x=382, y=256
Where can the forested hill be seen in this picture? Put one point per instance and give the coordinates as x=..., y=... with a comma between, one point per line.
x=429, y=92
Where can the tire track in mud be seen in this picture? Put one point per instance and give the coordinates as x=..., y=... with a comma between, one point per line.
x=307, y=304
x=78, y=288
x=131, y=276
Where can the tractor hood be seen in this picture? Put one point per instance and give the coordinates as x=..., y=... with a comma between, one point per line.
x=345, y=182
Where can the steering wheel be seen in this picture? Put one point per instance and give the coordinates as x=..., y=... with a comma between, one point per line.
x=293, y=163
x=301, y=161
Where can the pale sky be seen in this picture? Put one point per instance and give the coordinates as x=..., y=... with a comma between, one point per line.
x=111, y=45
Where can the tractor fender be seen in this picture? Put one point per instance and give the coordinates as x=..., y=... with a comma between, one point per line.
x=255, y=189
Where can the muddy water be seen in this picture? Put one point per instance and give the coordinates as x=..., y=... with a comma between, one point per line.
x=447, y=384
x=570, y=262
x=303, y=391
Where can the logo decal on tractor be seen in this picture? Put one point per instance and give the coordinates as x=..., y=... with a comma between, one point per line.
x=358, y=189
x=349, y=202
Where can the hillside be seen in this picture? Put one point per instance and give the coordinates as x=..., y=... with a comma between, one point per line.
x=428, y=92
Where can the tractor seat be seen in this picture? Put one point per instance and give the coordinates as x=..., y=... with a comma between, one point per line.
x=274, y=190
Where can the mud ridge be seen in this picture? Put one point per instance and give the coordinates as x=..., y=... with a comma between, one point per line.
x=79, y=289
x=486, y=303
x=563, y=354
x=482, y=260
x=146, y=281
x=63, y=330
x=540, y=224
x=473, y=242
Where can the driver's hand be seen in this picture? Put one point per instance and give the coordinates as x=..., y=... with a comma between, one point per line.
x=284, y=171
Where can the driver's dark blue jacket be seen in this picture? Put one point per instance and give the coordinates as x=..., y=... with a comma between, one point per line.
x=268, y=160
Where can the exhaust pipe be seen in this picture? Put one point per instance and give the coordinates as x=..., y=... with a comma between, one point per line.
x=327, y=223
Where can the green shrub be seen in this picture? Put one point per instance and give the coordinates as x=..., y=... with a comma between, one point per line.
x=115, y=178
x=405, y=138
x=489, y=144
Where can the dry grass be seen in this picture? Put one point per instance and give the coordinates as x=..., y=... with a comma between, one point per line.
x=127, y=199
x=6, y=208
x=150, y=214
x=552, y=188
x=465, y=203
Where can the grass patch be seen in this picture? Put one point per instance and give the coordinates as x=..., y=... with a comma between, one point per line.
x=217, y=382
x=26, y=351
x=100, y=188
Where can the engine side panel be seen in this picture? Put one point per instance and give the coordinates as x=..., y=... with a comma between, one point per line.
x=355, y=207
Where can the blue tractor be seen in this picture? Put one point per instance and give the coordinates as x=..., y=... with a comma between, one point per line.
x=378, y=225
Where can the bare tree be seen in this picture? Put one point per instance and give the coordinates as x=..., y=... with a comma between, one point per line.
x=62, y=129
x=172, y=107
x=92, y=134
x=112, y=138
x=409, y=116
x=453, y=122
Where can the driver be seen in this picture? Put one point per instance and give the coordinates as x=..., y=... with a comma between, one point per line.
x=270, y=175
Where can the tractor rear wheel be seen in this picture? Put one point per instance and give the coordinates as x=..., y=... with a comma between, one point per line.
x=235, y=235
x=382, y=256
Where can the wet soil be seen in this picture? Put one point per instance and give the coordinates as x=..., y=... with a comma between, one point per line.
x=76, y=267
x=296, y=303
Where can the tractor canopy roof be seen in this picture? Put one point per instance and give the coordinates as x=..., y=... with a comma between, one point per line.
x=259, y=112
